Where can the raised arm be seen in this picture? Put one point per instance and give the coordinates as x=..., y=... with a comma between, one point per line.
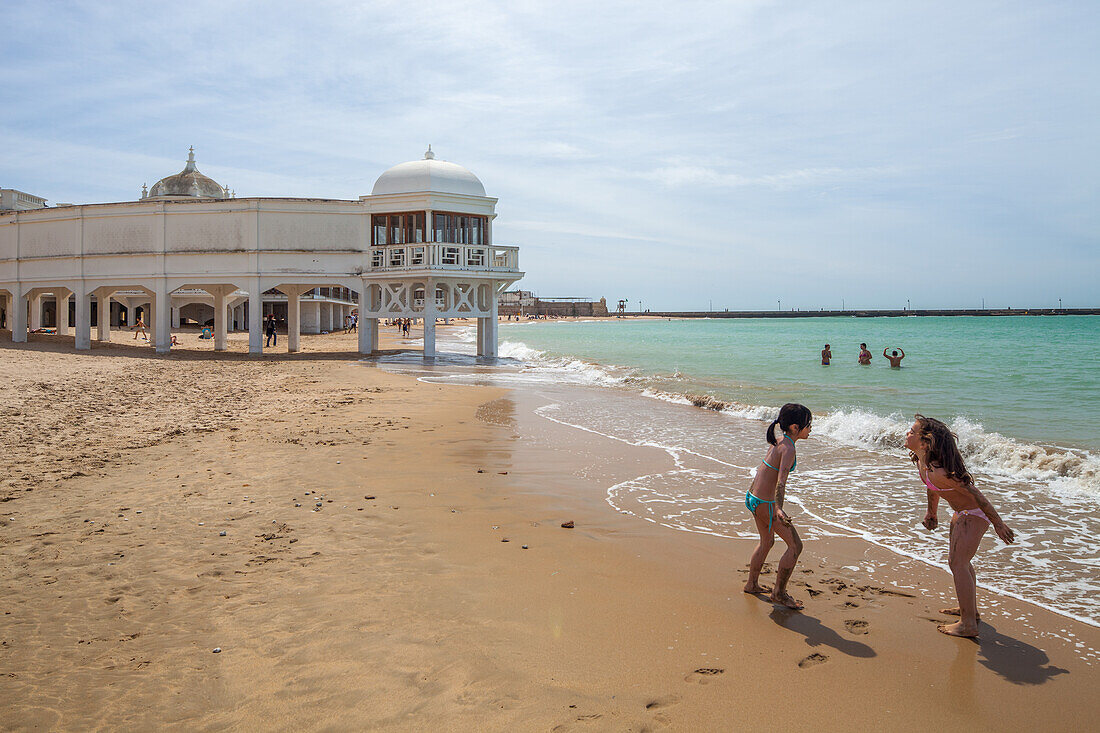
x=1003, y=530
x=884, y=352
x=902, y=352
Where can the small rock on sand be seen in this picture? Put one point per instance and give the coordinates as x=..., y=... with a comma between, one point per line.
x=568, y=525
x=217, y=650
x=222, y=533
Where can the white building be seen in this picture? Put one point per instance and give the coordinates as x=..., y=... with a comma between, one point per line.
x=188, y=248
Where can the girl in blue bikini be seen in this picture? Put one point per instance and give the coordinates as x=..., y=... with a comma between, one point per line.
x=765, y=501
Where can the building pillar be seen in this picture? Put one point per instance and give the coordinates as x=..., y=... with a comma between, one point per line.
x=221, y=315
x=480, y=340
x=36, y=312
x=162, y=311
x=255, y=317
x=61, y=310
x=150, y=317
x=429, y=319
x=492, y=323
x=325, y=316
x=17, y=315
x=175, y=317
x=103, y=315
x=83, y=319
x=293, y=320
x=367, y=340
x=311, y=317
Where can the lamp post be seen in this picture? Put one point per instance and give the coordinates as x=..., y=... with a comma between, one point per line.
x=780, y=302
x=1059, y=304
x=908, y=307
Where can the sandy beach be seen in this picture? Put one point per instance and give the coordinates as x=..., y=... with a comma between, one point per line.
x=201, y=542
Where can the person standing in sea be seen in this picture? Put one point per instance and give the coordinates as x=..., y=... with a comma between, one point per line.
x=765, y=501
x=895, y=360
x=933, y=447
x=826, y=355
x=864, y=355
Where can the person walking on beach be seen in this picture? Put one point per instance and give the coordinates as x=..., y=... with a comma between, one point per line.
x=933, y=447
x=826, y=355
x=139, y=327
x=765, y=501
x=894, y=359
x=269, y=330
x=864, y=355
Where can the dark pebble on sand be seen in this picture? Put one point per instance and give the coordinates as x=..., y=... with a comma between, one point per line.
x=567, y=525
x=368, y=498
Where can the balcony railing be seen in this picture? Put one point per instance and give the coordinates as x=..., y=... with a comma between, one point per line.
x=443, y=256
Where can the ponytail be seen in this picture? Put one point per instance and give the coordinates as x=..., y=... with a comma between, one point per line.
x=769, y=434
x=791, y=413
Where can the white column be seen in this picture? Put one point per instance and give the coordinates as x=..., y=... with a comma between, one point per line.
x=311, y=317
x=103, y=315
x=293, y=320
x=36, y=312
x=367, y=341
x=163, y=317
x=17, y=315
x=255, y=317
x=150, y=321
x=175, y=317
x=83, y=318
x=221, y=315
x=429, y=319
x=480, y=340
x=492, y=322
x=61, y=310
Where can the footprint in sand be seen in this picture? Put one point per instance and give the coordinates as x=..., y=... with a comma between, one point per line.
x=662, y=702
x=702, y=675
x=857, y=626
x=813, y=659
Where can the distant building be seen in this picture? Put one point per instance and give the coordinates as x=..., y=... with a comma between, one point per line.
x=526, y=303
x=12, y=200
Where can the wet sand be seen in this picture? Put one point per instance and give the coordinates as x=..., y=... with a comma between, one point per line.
x=363, y=580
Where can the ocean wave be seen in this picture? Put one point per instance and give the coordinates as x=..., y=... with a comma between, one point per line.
x=1059, y=468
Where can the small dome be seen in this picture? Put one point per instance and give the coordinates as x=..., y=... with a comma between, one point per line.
x=429, y=174
x=188, y=182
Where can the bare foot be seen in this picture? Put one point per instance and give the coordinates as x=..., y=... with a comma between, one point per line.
x=756, y=588
x=959, y=629
x=786, y=600
x=956, y=611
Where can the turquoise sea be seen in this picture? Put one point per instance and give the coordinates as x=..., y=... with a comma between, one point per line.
x=1034, y=379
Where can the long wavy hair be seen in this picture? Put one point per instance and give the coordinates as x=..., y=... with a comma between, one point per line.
x=943, y=448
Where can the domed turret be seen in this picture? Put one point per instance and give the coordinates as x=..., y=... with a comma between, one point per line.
x=188, y=183
x=429, y=174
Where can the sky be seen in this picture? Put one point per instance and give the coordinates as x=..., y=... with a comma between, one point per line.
x=682, y=156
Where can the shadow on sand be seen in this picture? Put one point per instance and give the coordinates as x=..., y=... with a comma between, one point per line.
x=818, y=634
x=1014, y=660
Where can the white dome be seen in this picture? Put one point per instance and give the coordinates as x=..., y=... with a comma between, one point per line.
x=429, y=174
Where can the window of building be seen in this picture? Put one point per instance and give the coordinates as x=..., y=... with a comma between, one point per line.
x=459, y=228
x=403, y=228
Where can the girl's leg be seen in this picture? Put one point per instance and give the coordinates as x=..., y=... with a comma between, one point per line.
x=966, y=535
x=786, y=565
x=760, y=554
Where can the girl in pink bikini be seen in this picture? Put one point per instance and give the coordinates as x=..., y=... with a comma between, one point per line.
x=933, y=448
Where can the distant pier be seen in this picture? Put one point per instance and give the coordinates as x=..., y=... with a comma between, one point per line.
x=863, y=313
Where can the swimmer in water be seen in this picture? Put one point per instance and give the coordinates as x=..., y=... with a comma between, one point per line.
x=826, y=355
x=864, y=355
x=893, y=358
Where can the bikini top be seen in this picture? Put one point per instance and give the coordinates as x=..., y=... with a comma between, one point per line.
x=932, y=487
x=792, y=465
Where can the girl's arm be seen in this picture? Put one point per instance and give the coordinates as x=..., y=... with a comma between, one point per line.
x=1003, y=531
x=930, y=520
x=786, y=460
